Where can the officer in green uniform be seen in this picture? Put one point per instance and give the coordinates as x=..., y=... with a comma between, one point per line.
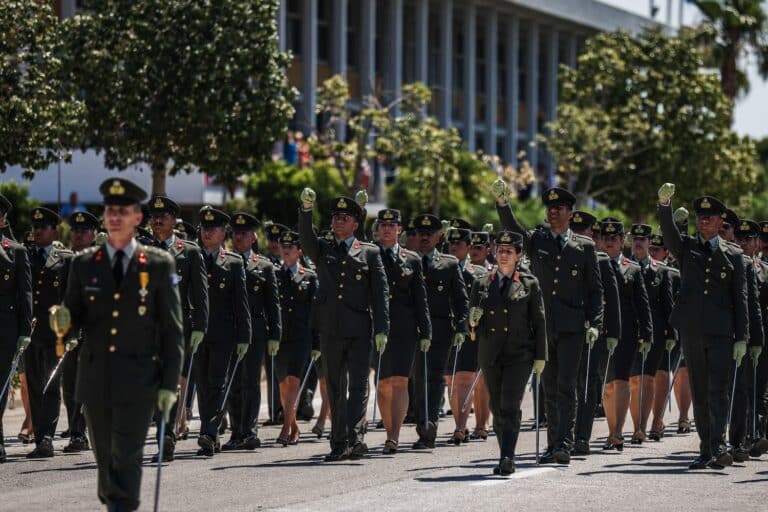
x=567, y=269
x=15, y=305
x=274, y=254
x=353, y=296
x=448, y=307
x=50, y=267
x=585, y=224
x=193, y=292
x=82, y=236
x=124, y=298
x=711, y=316
x=261, y=284
x=228, y=337
x=480, y=249
x=507, y=314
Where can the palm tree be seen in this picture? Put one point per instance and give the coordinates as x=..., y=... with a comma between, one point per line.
x=734, y=29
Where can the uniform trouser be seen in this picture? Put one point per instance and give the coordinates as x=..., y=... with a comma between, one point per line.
x=345, y=362
x=40, y=362
x=761, y=405
x=592, y=386
x=710, y=370
x=6, y=360
x=506, y=382
x=75, y=418
x=737, y=430
x=437, y=361
x=117, y=436
x=560, y=382
x=211, y=368
x=272, y=384
x=244, y=398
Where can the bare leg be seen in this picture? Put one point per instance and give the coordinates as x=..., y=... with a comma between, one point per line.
x=26, y=426
x=398, y=406
x=482, y=402
x=634, y=401
x=622, y=405
x=461, y=384
x=289, y=390
x=325, y=407
x=683, y=394
x=661, y=386
x=384, y=397
x=609, y=405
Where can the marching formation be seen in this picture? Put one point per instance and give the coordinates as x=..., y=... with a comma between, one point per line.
x=140, y=318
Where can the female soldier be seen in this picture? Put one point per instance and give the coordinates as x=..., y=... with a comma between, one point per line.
x=296, y=285
x=507, y=311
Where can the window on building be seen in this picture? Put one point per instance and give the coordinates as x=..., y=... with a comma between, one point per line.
x=410, y=36
x=522, y=78
x=324, y=43
x=293, y=27
x=354, y=21
x=501, y=80
x=541, y=107
x=457, y=103
x=435, y=53
x=481, y=65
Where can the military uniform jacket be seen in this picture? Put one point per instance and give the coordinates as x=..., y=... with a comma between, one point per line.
x=569, y=279
x=230, y=318
x=263, y=301
x=407, y=296
x=611, y=304
x=15, y=293
x=297, y=292
x=513, y=323
x=713, y=289
x=753, y=302
x=353, y=292
x=446, y=291
x=193, y=288
x=134, y=331
x=48, y=282
x=761, y=279
x=636, y=317
x=658, y=285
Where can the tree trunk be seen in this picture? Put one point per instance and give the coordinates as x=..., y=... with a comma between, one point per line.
x=158, y=178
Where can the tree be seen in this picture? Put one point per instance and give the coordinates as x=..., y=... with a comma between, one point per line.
x=39, y=115
x=181, y=85
x=19, y=219
x=732, y=30
x=639, y=112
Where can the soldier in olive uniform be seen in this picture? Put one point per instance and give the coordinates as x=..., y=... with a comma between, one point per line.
x=466, y=357
x=566, y=266
x=193, y=292
x=15, y=306
x=124, y=298
x=480, y=249
x=275, y=256
x=83, y=234
x=658, y=286
x=507, y=310
x=448, y=307
x=50, y=267
x=585, y=224
x=408, y=304
x=636, y=331
x=711, y=316
x=352, y=295
x=229, y=326
x=297, y=287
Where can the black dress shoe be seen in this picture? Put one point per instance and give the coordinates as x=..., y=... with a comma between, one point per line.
x=380, y=424
x=699, y=462
x=206, y=444
x=721, y=459
x=358, y=451
x=337, y=454
x=761, y=445
x=232, y=444
x=421, y=444
x=250, y=442
x=65, y=434
x=2, y=454
x=740, y=454
x=169, y=450
x=306, y=412
x=580, y=447
x=43, y=450
x=506, y=466
x=548, y=457
x=562, y=455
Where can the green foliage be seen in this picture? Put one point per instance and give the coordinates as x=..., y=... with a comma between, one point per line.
x=39, y=117
x=639, y=112
x=181, y=85
x=19, y=218
x=276, y=188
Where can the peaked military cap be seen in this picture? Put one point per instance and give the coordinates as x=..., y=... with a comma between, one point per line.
x=708, y=205
x=730, y=217
x=162, y=204
x=274, y=231
x=480, y=238
x=459, y=235
x=410, y=228
x=427, y=222
x=242, y=221
x=186, y=228
x=747, y=228
x=327, y=235
x=582, y=221
x=641, y=230
x=210, y=217
x=29, y=239
x=461, y=223
x=657, y=240
x=510, y=238
x=611, y=226
x=556, y=196
x=289, y=238
x=763, y=230
x=5, y=204
x=121, y=192
x=83, y=220
x=347, y=206
x=389, y=215
x=45, y=217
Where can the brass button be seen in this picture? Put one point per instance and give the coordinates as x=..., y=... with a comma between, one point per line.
x=556, y=280
x=554, y=292
x=37, y=292
x=116, y=296
x=493, y=330
x=115, y=314
x=91, y=298
x=706, y=280
x=709, y=259
x=557, y=269
x=290, y=310
x=493, y=312
x=112, y=348
x=343, y=274
x=341, y=285
x=113, y=331
x=559, y=257
x=37, y=301
x=505, y=310
x=707, y=271
x=706, y=292
x=40, y=282
x=343, y=262
x=339, y=297
x=505, y=329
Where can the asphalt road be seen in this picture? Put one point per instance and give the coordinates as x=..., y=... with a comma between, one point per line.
x=653, y=476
